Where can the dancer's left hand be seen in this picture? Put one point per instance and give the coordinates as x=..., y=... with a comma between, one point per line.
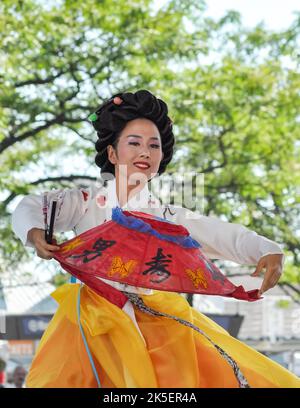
x=273, y=264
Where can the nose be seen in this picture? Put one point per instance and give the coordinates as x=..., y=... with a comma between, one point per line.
x=145, y=153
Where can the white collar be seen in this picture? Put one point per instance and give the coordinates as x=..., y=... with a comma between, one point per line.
x=141, y=200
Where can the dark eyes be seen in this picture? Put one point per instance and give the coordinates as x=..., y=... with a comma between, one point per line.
x=155, y=146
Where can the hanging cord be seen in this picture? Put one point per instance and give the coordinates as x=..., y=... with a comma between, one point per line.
x=139, y=303
x=85, y=341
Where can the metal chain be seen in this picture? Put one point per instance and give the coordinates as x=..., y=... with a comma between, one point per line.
x=139, y=303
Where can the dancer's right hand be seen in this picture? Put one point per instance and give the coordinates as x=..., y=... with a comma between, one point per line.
x=43, y=249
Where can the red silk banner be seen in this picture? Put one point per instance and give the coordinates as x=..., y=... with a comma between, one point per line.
x=141, y=250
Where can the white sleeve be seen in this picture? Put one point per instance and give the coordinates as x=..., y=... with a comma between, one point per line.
x=224, y=240
x=71, y=206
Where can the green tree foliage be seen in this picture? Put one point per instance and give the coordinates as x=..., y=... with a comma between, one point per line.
x=233, y=94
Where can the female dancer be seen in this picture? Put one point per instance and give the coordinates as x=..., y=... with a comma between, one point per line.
x=154, y=339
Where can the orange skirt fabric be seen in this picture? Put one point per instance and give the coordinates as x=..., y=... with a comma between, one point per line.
x=172, y=355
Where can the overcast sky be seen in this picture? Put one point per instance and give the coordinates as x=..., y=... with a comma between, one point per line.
x=276, y=14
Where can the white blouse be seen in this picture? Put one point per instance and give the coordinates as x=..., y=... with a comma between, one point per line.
x=83, y=209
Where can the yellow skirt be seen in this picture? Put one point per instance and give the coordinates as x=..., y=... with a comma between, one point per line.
x=174, y=355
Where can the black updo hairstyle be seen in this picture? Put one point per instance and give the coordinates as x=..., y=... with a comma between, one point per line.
x=110, y=119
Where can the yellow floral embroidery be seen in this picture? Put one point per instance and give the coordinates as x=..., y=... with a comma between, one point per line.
x=72, y=245
x=197, y=278
x=123, y=268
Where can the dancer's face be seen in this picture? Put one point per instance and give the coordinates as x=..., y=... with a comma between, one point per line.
x=139, y=142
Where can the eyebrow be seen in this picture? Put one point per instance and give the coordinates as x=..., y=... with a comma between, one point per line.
x=155, y=138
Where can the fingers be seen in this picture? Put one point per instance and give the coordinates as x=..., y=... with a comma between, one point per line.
x=273, y=264
x=45, y=250
x=271, y=278
x=259, y=268
x=44, y=255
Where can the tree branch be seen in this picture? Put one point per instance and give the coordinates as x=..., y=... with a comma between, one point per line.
x=222, y=149
x=40, y=81
x=63, y=178
x=45, y=180
x=58, y=120
x=80, y=135
x=11, y=140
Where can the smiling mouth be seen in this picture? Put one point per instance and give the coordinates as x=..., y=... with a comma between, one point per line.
x=142, y=166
